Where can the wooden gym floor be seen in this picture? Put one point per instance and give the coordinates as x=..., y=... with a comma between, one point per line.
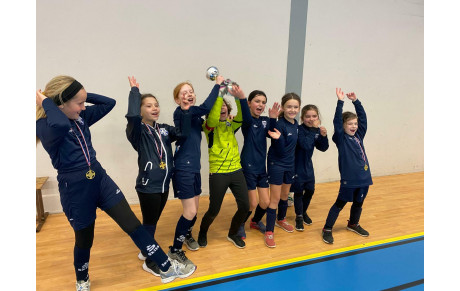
x=394, y=207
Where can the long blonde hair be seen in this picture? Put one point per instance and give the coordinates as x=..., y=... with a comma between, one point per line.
x=54, y=90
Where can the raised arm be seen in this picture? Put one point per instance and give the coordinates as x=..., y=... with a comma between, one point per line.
x=134, y=126
x=102, y=106
x=243, y=115
x=362, y=118
x=213, y=118
x=338, y=123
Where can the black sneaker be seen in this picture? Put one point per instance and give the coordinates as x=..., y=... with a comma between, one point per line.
x=306, y=219
x=151, y=267
x=358, y=229
x=237, y=241
x=202, y=240
x=327, y=236
x=299, y=223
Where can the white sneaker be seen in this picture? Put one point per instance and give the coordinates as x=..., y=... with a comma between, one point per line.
x=83, y=285
x=176, y=270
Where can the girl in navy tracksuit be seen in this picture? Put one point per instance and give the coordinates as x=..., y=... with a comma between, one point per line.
x=280, y=164
x=152, y=141
x=62, y=126
x=186, y=178
x=311, y=136
x=254, y=155
x=355, y=174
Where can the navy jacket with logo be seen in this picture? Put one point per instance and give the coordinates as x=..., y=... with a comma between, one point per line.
x=151, y=178
x=309, y=139
x=58, y=133
x=282, y=150
x=351, y=162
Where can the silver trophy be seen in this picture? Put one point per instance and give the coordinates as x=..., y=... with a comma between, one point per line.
x=212, y=73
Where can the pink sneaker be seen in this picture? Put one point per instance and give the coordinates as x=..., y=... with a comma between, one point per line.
x=283, y=224
x=269, y=239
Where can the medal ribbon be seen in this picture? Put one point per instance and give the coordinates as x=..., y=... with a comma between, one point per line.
x=157, y=129
x=362, y=151
x=88, y=161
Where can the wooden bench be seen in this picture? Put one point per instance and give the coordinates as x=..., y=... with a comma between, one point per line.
x=41, y=214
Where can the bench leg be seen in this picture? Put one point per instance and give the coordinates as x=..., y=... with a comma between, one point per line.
x=41, y=214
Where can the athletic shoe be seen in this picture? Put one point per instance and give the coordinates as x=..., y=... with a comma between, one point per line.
x=83, y=285
x=237, y=241
x=176, y=270
x=179, y=256
x=299, y=223
x=327, y=236
x=191, y=243
x=241, y=232
x=306, y=219
x=358, y=229
x=141, y=257
x=152, y=268
x=258, y=225
x=283, y=224
x=202, y=240
x=269, y=239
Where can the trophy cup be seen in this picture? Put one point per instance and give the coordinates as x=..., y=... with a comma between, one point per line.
x=212, y=73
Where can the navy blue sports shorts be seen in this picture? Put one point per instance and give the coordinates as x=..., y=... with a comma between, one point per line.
x=186, y=184
x=278, y=175
x=353, y=194
x=256, y=180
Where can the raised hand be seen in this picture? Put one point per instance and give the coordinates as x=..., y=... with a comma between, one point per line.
x=274, y=111
x=236, y=91
x=339, y=93
x=274, y=134
x=352, y=96
x=323, y=131
x=133, y=82
x=219, y=79
x=40, y=97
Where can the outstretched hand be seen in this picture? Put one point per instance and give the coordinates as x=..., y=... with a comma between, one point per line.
x=236, y=91
x=133, y=82
x=274, y=134
x=40, y=97
x=352, y=96
x=274, y=111
x=219, y=79
x=339, y=93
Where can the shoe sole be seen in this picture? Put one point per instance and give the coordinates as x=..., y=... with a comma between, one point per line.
x=364, y=235
x=240, y=247
x=286, y=230
x=329, y=243
x=192, y=249
x=189, y=273
x=273, y=246
x=299, y=229
x=307, y=223
x=144, y=266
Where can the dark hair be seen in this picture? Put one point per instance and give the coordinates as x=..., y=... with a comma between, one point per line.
x=286, y=98
x=255, y=93
x=147, y=95
x=309, y=107
x=347, y=115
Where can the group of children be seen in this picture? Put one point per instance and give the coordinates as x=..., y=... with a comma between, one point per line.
x=259, y=181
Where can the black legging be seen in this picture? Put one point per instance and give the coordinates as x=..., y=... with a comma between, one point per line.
x=218, y=185
x=152, y=205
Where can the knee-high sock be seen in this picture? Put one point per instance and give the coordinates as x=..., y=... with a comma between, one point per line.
x=355, y=214
x=181, y=231
x=192, y=223
x=258, y=214
x=298, y=203
x=81, y=262
x=147, y=243
x=332, y=217
x=247, y=216
x=282, y=209
x=271, y=217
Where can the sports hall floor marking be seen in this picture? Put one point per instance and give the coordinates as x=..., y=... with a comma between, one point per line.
x=284, y=264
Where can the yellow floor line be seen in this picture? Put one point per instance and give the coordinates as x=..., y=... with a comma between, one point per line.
x=279, y=263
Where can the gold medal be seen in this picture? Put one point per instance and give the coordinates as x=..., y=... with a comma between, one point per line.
x=366, y=167
x=162, y=165
x=90, y=174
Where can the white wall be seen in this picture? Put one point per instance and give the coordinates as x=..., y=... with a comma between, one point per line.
x=372, y=47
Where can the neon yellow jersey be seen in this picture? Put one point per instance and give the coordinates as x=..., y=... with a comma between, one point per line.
x=224, y=155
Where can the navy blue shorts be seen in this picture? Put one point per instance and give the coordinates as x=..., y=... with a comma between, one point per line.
x=186, y=184
x=279, y=175
x=299, y=187
x=353, y=194
x=80, y=196
x=256, y=180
